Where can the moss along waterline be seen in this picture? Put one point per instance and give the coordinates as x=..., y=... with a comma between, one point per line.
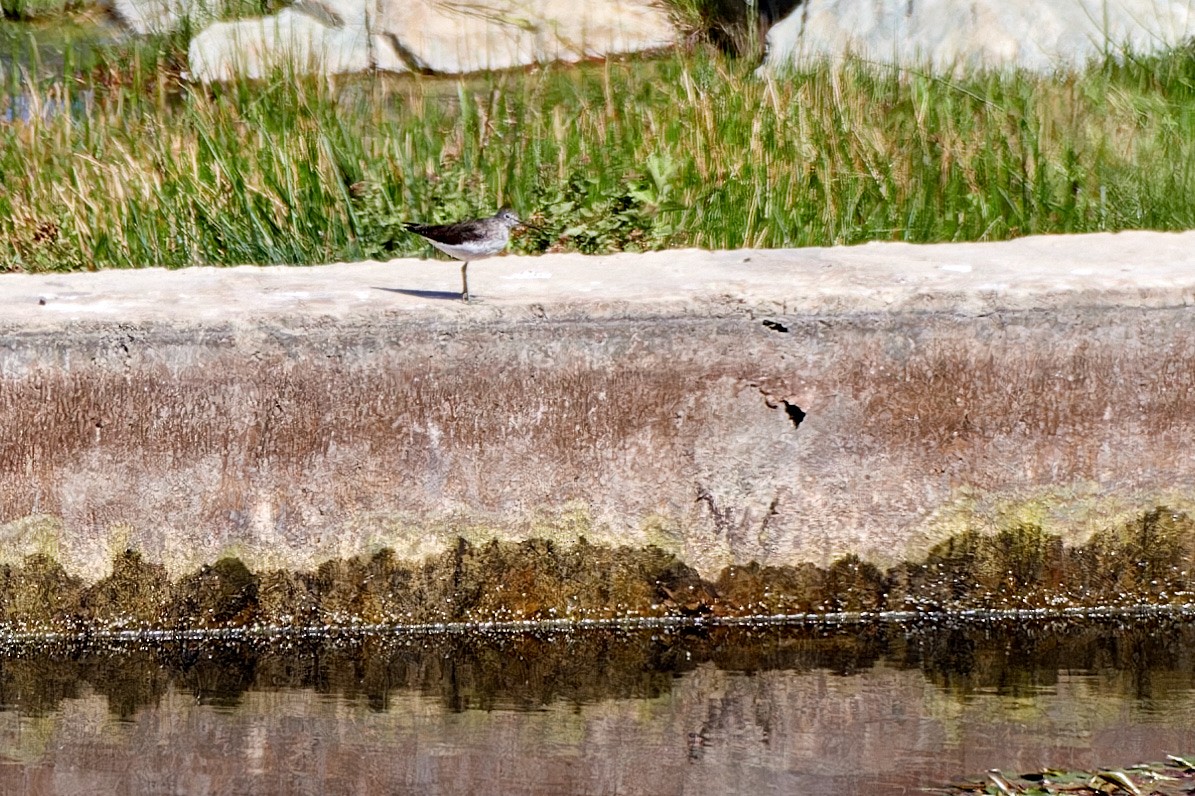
x=688, y=149
x=1140, y=568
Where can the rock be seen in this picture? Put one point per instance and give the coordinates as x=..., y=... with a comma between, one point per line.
x=954, y=34
x=336, y=37
x=319, y=37
x=501, y=34
x=145, y=17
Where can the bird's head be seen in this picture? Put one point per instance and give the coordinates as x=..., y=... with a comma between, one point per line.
x=508, y=218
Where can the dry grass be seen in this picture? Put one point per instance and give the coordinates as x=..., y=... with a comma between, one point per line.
x=119, y=164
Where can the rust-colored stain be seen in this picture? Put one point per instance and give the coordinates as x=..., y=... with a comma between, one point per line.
x=780, y=440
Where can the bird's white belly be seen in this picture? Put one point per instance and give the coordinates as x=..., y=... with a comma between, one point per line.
x=473, y=250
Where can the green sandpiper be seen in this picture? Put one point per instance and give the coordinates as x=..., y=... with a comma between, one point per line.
x=471, y=240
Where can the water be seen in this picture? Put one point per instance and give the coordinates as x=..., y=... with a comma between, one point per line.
x=43, y=54
x=876, y=710
x=46, y=47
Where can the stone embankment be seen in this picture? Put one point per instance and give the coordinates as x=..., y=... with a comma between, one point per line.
x=777, y=406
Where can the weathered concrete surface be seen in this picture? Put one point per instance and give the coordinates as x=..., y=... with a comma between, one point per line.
x=291, y=414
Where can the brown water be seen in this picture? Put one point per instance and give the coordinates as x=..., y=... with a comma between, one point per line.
x=869, y=710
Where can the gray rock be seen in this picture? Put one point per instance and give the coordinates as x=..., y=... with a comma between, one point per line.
x=317, y=37
x=342, y=36
x=501, y=34
x=146, y=17
x=953, y=34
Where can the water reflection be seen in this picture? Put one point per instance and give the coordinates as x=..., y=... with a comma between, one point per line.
x=25, y=107
x=880, y=709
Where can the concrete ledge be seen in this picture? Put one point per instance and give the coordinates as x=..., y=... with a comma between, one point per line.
x=1129, y=269
x=781, y=406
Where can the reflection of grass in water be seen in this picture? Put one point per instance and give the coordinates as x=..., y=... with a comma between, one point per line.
x=482, y=670
x=689, y=149
x=53, y=39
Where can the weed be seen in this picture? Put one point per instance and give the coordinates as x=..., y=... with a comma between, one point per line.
x=109, y=159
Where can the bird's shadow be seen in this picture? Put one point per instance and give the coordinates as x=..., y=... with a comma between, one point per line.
x=423, y=294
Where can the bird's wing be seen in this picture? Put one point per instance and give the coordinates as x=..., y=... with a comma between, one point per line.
x=437, y=231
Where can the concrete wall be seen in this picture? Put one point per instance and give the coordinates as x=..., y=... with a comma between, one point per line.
x=782, y=406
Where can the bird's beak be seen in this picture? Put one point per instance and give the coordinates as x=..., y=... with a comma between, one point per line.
x=531, y=226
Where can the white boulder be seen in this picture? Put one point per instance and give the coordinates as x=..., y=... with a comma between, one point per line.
x=947, y=35
x=145, y=17
x=452, y=38
x=312, y=36
x=341, y=36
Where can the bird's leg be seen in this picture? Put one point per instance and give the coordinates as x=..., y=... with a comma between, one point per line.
x=465, y=282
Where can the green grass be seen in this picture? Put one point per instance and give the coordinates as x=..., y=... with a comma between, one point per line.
x=689, y=149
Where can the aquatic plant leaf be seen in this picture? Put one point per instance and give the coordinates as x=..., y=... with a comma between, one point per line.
x=1119, y=780
x=1164, y=779
x=1003, y=786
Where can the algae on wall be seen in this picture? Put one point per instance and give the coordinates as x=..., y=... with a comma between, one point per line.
x=1150, y=561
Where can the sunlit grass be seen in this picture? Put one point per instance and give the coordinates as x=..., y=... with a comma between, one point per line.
x=690, y=149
